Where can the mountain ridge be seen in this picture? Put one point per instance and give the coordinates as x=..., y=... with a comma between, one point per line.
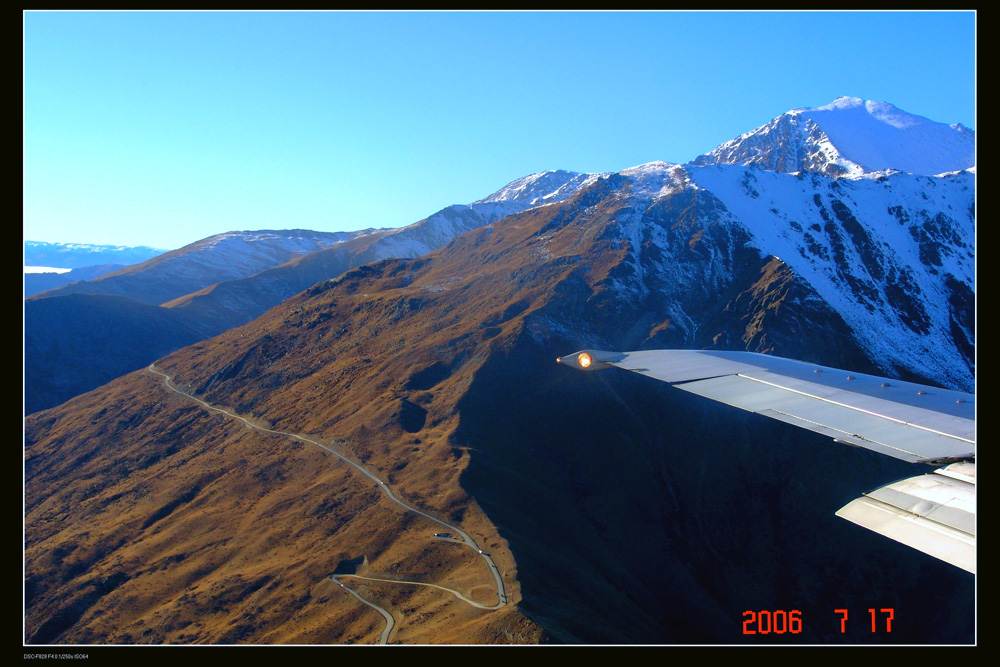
x=852, y=138
x=230, y=255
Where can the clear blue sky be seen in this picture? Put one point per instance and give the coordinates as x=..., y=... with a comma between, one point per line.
x=149, y=128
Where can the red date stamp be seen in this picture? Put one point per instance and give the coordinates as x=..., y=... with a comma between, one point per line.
x=781, y=621
x=887, y=613
x=777, y=622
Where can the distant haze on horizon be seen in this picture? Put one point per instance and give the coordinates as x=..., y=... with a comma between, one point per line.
x=163, y=128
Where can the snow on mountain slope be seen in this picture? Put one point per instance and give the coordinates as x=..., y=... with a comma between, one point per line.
x=542, y=188
x=244, y=253
x=894, y=256
x=436, y=230
x=851, y=137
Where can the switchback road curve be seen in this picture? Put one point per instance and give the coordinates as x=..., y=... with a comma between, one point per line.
x=465, y=538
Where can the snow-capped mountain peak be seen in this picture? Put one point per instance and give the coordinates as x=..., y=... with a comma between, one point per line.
x=851, y=137
x=542, y=188
x=656, y=179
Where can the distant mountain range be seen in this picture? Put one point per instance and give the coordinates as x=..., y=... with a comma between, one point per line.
x=46, y=264
x=228, y=256
x=81, y=255
x=617, y=511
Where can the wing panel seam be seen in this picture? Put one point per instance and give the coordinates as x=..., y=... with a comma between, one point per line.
x=848, y=433
x=930, y=524
x=861, y=410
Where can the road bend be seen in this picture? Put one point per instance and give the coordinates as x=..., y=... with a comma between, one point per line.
x=465, y=540
x=390, y=622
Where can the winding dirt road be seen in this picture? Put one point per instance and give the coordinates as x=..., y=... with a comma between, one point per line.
x=465, y=538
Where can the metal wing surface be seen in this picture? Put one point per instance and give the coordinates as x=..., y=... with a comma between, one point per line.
x=919, y=424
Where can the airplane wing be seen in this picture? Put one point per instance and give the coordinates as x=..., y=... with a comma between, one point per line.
x=935, y=512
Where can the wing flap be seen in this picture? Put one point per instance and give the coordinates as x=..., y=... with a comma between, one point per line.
x=935, y=513
x=947, y=501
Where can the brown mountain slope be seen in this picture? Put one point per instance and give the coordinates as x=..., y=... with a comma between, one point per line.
x=615, y=510
x=202, y=530
x=233, y=482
